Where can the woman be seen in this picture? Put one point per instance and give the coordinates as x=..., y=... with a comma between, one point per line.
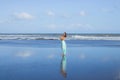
x=62, y=38
x=63, y=66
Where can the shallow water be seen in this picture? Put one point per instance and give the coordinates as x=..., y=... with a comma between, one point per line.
x=43, y=60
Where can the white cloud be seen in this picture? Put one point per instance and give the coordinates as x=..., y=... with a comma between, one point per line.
x=82, y=13
x=50, y=13
x=24, y=54
x=23, y=15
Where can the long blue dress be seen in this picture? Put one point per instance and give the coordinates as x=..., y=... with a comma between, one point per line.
x=64, y=47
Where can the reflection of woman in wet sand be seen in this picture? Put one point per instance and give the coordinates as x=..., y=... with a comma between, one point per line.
x=62, y=38
x=63, y=61
x=63, y=66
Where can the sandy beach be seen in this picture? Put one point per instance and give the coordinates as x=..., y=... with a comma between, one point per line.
x=42, y=60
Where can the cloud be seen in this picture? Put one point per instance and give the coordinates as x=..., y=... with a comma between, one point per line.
x=82, y=13
x=23, y=15
x=24, y=54
x=50, y=13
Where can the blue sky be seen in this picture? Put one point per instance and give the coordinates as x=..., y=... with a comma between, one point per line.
x=56, y=16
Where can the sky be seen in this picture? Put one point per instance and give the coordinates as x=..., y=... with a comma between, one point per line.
x=56, y=16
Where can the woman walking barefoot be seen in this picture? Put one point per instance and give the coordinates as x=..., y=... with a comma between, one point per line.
x=62, y=38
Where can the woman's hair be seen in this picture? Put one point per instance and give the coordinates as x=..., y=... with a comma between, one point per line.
x=65, y=34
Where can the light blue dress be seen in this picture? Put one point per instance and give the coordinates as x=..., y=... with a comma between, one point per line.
x=64, y=47
x=63, y=63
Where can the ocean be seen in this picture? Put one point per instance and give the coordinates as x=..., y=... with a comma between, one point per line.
x=56, y=36
x=39, y=57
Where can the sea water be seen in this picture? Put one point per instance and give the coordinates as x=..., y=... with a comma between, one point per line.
x=54, y=36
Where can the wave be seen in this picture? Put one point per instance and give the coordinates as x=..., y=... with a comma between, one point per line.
x=56, y=37
x=78, y=37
